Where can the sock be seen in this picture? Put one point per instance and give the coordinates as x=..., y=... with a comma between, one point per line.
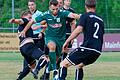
x=52, y=56
x=79, y=74
x=25, y=63
x=25, y=71
x=41, y=64
x=63, y=73
x=47, y=72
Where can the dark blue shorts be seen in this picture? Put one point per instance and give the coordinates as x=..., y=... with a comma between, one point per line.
x=39, y=42
x=30, y=52
x=82, y=55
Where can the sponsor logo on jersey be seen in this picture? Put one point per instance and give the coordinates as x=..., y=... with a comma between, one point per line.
x=56, y=25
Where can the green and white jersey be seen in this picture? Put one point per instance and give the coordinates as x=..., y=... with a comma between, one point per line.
x=34, y=15
x=56, y=24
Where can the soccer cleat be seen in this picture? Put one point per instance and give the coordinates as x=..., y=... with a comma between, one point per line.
x=55, y=75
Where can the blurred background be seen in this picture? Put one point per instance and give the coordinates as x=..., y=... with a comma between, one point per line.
x=108, y=9
x=107, y=67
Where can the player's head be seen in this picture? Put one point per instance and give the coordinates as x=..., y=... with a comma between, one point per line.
x=67, y=2
x=90, y=3
x=31, y=5
x=60, y=3
x=54, y=7
x=26, y=14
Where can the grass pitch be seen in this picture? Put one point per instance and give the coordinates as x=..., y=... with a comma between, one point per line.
x=107, y=67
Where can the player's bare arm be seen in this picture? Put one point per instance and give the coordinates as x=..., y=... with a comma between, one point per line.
x=74, y=34
x=42, y=31
x=43, y=25
x=16, y=21
x=26, y=28
x=75, y=16
x=73, y=26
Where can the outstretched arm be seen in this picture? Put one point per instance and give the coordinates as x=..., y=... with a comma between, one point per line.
x=74, y=15
x=43, y=25
x=74, y=34
x=22, y=34
x=16, y=21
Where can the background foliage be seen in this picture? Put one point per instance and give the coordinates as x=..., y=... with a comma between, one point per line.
x=108, y=9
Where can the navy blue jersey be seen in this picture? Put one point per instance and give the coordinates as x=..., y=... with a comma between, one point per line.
x=68, y=20
x=29, y=32
x=93, y=30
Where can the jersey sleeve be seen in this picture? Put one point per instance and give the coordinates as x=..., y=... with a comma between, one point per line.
x=39, y=18
x=25, y=20
x=66, y=13
x=82, y=21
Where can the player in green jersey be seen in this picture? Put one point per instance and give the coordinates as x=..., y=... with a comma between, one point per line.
x=55, y=32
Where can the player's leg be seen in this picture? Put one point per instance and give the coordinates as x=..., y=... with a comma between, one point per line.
x=79, y=74
x=25, y=71
x=71, y=59
x=52, y=54
x=46, y=74
x=41, y=60
x=32, y=52
x=86, y=57
x=63, y=69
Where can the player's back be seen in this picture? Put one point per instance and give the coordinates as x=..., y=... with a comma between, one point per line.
x=93, y=31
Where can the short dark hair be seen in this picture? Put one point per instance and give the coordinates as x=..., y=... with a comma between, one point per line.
x=53, y=2
x=26, y=12
x=90, y=3
x=31, y=1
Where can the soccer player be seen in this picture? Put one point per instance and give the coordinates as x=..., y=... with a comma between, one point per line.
x=27, y=47
x=60, y=3
x=70, y=23
x=55, y=32
x=92, y=27
x=38, y=38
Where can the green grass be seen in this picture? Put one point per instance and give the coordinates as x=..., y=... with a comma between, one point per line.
x=105, y=68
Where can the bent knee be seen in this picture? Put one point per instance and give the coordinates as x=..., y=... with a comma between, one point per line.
x=65, y=63
x=51, y=46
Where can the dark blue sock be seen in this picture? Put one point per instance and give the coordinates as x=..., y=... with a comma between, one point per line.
x=41, y=64
x=25, y=71
x=63, y=73
x=79, y=74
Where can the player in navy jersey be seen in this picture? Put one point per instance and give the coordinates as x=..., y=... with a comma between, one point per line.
x=27, y=47
x=38, y=36
x=70, y=23
x=92, y=27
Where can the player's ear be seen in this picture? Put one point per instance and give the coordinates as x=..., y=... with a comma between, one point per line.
x=50, y=9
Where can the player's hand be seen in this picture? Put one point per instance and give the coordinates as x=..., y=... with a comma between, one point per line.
x=11, y=20
x=22, y=34
x=65, y=47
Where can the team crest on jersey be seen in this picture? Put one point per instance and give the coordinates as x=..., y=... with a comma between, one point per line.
x=58, y=19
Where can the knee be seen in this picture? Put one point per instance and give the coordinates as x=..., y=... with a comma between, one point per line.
x=63, y=64
x=51, y=46
x=81, y=65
